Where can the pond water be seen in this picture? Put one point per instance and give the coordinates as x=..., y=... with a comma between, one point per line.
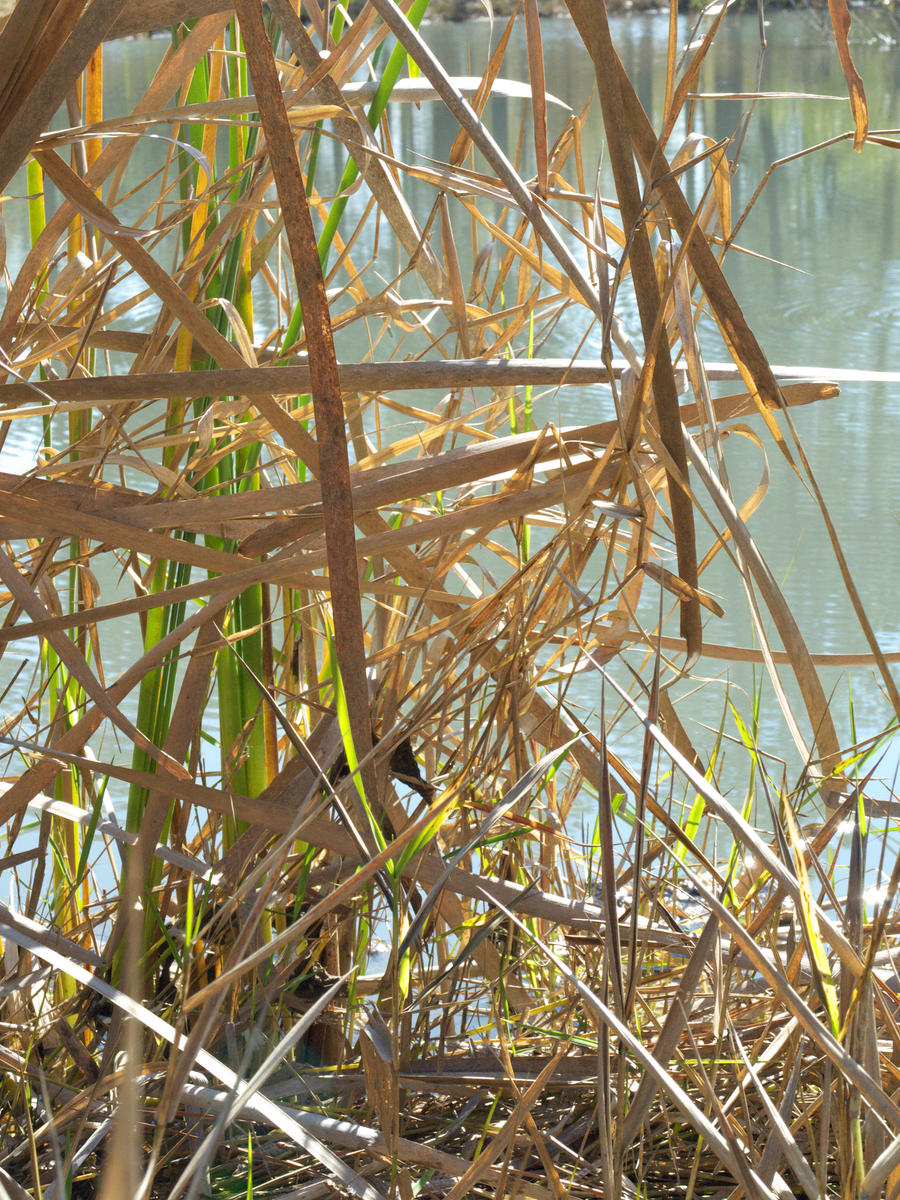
x=820, y=287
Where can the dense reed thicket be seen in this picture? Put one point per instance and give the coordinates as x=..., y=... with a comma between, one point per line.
x=303, y=899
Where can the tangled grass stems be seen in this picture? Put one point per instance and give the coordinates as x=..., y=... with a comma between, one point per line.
x=306, y=898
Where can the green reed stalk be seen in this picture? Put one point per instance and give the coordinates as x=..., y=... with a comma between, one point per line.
x=65, y=696
x=37, y=217
x=242, y=734
x=157, y=687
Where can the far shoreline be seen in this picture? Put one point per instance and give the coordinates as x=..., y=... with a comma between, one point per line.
x=467, y=10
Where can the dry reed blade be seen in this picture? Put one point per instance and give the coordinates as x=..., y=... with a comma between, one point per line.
x=721, y=1145
x=432, y=69
x=176, y=300
x=72, y=658
x=289, y=1123
x=333, y=462
x=538, y=90
x=780, y=1129
x=349, y=127
x=676, y=1019
x=665, y=397
x=58, y=72
x=840, y=23
x=35, y=779
x=31, y=37
x=146, y=16
x=498, y=1144
x=168, y=79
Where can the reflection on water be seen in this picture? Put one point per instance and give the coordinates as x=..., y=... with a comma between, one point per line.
x=820, y=286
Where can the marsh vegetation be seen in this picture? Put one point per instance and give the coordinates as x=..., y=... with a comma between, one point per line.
x=340, y=881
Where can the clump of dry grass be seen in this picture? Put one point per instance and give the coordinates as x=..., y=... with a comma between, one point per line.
x=347, y=931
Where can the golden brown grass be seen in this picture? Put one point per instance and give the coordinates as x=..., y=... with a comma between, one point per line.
x=390, y=908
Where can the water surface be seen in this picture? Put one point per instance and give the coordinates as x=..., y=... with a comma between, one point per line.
x=820, y=286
